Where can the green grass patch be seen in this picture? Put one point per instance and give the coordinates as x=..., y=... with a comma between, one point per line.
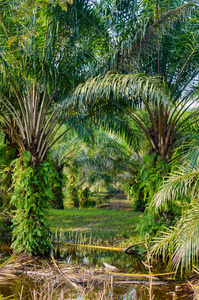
x=95, y=226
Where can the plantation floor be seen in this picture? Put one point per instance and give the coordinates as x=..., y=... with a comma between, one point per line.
x=112, y=225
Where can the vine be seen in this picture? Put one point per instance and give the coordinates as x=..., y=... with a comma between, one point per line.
x=32, y=191
x=148, y=180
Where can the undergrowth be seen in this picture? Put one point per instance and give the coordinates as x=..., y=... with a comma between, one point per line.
x=94, y=226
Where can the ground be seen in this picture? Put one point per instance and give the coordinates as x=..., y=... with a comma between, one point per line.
x=112, y=223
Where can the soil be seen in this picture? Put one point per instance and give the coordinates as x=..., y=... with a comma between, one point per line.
x=117, y=205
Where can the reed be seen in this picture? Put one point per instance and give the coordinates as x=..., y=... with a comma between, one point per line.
x=148, y=265
x=96, y=227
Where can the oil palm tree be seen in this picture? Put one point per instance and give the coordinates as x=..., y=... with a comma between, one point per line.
x=110, y=161
x=40, y=57
x=166, y=119
x=103, y=160
x=154, y=78
x=158, y=54
x=179, y=244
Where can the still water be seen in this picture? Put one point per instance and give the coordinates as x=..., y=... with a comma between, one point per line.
x=89, y=258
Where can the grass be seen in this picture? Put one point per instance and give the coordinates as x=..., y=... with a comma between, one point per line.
x=95, y=226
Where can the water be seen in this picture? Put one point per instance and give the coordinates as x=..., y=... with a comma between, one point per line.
x=94, y=258
x=88, y=258
x=80, y=256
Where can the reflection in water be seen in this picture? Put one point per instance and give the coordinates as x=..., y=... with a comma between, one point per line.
x=95, y=258
x=80, y=256
x=124, y=262
x=130, y=294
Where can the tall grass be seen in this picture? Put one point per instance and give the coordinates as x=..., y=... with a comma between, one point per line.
x=94, y=226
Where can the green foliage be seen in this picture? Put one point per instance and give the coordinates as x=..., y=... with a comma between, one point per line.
x=101, y=226
x=73, y=195
x=152, y=76
x=84, y=198
x=107, y=163
x=87, y=203
x=39, y=69
x=34, y=78
x=57, y=187
x=32, y=191
x=179, y=244
x=58, y=197
x=85, y=193
x=73, y=188
x=8, y=152
x=149, y=179
x=5, y=298
x=153, y=221
x=5, y=177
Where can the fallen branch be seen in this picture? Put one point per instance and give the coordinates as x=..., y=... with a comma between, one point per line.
x=139, y=275
x=68, y=280
x=144, y=282
x=8, y=261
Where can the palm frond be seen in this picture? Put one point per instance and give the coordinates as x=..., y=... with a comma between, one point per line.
x=180, y=183
x=179, y=245
x=131, y=87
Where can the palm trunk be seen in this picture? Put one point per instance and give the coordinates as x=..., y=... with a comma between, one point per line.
x=32, y=190
x=57, y=189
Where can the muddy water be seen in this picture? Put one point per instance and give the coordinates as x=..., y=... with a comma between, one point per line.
x=135, y=292
x=170, y=290
x=96, y=257
x=86, y=257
